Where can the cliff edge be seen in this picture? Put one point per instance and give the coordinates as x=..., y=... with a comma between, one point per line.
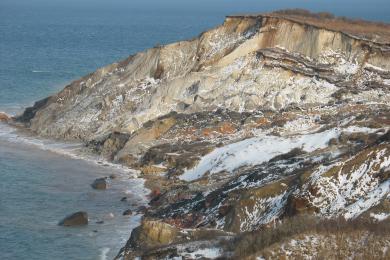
x=248, y=63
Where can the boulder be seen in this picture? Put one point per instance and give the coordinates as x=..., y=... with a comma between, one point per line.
x=100, y=184
x=76, y=219
x=127, y=212
x=153, y=233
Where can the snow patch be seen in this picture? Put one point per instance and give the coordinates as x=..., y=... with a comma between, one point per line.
x=261, y=149
x=380, y=216
x=264, y=211
x=352, y=192
x=204, y=253
x=373, y=198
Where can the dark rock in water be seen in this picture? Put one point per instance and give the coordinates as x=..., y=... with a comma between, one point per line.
x=124, y=199
x=127, y=212
x=113, y=176
x=76, y=219
x=100, y=222
x=100, y=184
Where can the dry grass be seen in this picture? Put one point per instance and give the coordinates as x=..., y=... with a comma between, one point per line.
x=250, y=243
x=376, y=31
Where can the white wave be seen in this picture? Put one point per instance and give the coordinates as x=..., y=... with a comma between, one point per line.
x=11, y=110
x=40, y=71
x=104, y=251
x=71, y=149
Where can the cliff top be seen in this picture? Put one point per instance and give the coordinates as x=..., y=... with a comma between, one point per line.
x=374, y=31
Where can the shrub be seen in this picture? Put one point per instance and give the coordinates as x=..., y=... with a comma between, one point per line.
x=377, y=31
x=251, y=242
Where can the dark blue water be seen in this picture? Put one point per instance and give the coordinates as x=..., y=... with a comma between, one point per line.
x=43, y=48
x=40, y=187
x=45, y=45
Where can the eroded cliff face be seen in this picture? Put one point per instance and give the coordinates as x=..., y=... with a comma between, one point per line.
x=246, y=64
x=256, y=122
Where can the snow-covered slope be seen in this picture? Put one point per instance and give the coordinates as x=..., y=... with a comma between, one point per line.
x=259, y=149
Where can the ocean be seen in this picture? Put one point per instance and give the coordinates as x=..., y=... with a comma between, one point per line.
x=43, y=46
x=42, y=49
x=41, y=184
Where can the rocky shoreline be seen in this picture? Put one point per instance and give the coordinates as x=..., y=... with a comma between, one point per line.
x=83, y=153
x=242, y=135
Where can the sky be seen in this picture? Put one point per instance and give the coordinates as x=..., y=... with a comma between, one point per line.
x=368, y=9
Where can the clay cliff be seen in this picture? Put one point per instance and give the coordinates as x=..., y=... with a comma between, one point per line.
x=243, y=133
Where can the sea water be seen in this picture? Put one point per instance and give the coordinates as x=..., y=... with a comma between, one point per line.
x=40, y=186
x=43, y=46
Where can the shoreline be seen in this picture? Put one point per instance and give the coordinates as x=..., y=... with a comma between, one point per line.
x=61, y=147
x=18, y=135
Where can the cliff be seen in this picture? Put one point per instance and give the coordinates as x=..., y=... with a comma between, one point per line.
x=246, y=64
x=264, y=119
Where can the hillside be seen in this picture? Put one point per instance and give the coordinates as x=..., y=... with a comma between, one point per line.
x=266, y=118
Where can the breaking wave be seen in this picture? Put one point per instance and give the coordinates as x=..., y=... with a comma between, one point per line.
x=40, y=71
x=75, y=150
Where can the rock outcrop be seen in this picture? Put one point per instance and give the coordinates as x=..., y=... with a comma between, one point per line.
x=153, y=233
x=263, y=119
